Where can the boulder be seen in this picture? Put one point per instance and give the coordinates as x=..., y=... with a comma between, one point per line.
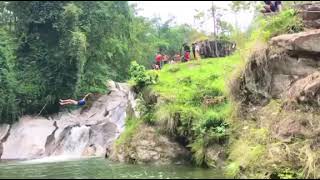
x=4, y=133
x=307, y=41
x=147, y=146
x=310, y=14
x=215, y=156
x=305, y=90
x=281, y=69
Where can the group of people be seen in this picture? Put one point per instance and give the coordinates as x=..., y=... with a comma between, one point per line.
x=161, y=59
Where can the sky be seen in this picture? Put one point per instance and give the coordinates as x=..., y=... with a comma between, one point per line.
x=184, y=12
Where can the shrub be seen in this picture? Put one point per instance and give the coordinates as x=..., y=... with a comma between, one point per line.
x=140, y=76
x=286, y=22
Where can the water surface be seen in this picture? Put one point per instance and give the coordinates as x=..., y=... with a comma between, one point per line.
x=98, y=168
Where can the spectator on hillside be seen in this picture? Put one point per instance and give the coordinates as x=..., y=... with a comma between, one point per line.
x=197, y=51
x=272, y=6
x=158, y=60
x=177, y=57
x=186, y=49
x=165, y=59
x=194, y=50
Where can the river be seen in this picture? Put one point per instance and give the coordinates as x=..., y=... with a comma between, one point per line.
x=96, y=168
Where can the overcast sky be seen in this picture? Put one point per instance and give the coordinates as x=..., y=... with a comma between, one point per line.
x=184, y=12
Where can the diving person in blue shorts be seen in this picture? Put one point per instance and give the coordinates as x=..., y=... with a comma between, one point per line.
x=74, y=102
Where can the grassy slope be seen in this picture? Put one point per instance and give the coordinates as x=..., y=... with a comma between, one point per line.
x=185, y=86
x=205, y=73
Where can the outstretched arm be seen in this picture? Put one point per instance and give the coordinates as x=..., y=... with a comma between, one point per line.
x=86, y=96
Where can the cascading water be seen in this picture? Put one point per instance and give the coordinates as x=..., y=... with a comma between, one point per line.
x=76, y=142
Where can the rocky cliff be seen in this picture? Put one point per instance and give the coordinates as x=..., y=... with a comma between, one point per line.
x=278, y=93
x=286, y=69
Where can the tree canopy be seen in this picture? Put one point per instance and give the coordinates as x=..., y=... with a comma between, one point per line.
x=53, y=50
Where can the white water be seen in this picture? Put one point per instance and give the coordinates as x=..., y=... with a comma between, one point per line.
x=76, y=142
x=72, y=149
x=52, y=159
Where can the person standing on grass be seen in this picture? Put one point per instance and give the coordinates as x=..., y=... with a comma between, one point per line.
x=197, y=51
x=186, y=56
x=158, y=59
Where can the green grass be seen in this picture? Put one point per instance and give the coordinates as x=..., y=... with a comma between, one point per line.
x=195, y=76
x=188, y=89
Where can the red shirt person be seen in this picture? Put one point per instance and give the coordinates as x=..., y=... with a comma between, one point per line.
x=158, y=59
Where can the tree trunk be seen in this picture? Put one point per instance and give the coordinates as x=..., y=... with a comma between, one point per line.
x=214, y=30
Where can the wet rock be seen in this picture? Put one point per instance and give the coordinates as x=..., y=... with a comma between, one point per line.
x=4, y=133
x=27, y=138
x=89, y=151
x=215, y=156
x=147, y=146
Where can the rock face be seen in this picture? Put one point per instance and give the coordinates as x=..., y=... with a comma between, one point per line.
x=216, y=48
x=305, y=90
x=79, y=133
x=4, y=133
x=310, y=13
x=287, y=69
x=146, y=146
x=300, y=42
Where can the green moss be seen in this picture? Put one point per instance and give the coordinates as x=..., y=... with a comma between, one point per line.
x=131, y=125
x=232, y=170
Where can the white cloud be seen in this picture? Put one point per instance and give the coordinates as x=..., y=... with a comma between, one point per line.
x=184, y=12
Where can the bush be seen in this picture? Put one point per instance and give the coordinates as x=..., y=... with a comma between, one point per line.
x=140, y=76
x=9, y=86
x=285, y=22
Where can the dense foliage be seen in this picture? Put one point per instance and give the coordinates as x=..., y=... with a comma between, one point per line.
x=63, y=50
x=53, y=50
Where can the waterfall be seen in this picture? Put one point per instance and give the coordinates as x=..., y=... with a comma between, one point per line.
x=76, y=142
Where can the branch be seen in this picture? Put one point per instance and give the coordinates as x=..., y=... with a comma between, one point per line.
x=42, y=109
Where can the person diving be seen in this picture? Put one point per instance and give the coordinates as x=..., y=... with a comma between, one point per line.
x=74, y=102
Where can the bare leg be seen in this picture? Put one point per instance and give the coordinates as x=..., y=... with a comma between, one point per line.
x=267, y=9
x=68, y=101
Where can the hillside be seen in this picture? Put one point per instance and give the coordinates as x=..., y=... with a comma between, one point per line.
x=188, y=105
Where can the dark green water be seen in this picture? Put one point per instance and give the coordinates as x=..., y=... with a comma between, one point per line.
x=100, y=168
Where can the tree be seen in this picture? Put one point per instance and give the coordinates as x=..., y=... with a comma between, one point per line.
x=9, y=110
x=65, y=51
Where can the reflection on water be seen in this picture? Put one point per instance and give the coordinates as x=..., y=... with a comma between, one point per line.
x=99, y=168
